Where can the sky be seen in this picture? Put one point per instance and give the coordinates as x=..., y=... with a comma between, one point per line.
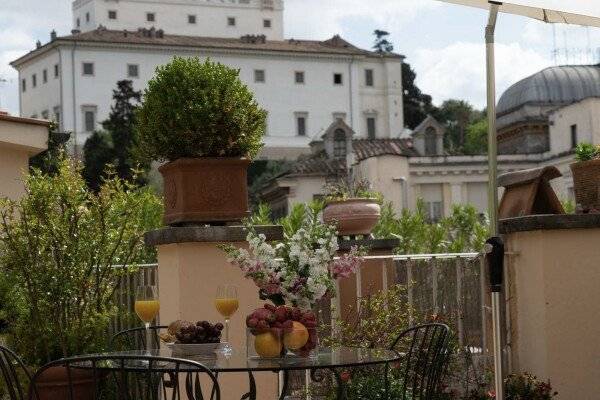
x=442, y=42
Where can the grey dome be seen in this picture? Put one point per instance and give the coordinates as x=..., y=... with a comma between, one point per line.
x=553, y=87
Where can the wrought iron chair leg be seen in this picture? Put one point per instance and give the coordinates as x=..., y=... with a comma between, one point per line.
x=341, y=385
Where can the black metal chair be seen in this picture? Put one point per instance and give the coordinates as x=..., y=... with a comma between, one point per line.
x=129, y=377
x=426, y=350
x=14, y=376
x=135, y=339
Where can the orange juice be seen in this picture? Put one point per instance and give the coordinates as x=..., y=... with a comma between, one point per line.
x=147, y=309
x=226, y=307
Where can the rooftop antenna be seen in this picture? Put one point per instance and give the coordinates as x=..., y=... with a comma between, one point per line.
x=555, y=51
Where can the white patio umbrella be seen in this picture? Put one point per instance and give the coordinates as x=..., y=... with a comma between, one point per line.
x=578, y=12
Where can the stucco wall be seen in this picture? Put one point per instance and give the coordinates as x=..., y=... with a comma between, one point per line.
x=554, y=297
x=18, y=142
x=585, y=115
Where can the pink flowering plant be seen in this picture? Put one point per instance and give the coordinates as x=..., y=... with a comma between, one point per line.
x=301, y=269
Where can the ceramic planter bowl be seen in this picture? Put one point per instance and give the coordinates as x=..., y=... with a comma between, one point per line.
x=205, y=190
x=353, y=216
x=586, y=183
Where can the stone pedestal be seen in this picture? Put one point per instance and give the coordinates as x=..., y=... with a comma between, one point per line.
x=553, y=299
x=190, y=267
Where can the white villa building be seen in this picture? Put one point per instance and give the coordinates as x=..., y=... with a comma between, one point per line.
x=303, y=84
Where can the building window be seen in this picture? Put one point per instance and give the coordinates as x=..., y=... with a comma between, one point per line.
x=45, y=76
x=299, y=77
x=33, y=80
x=266, y=23
x=430, y=142
x=433, y=211
x=78, y=23
x=230, y=21
x=56, y=70
x=87, y=17
x=259, y=75
x=133, y=71
x=338, y=79
x=339, y=144
x=89, y=120
x=112, y=14
x=573, y=136
x=45, y=114
x=24, y=85
x=371, y=128
x=369, y=81
x=88, y=68
x=301, y=124
x=191, y=19
x=150, y=17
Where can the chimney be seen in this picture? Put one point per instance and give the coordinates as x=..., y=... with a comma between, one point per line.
x=53, y=35
x=38, y=44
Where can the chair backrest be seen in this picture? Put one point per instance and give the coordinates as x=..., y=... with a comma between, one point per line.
x=125, y=377
x=14, y=376
x=426, y=350
x=135, y=338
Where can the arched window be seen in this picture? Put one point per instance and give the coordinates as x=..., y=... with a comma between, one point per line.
x=339, y=144
x=430, y=142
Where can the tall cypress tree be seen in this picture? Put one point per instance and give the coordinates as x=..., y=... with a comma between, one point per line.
x=117, y=144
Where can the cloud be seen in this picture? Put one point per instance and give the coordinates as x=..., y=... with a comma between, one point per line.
x=458, y=70
x=319, y=19
x=22, y=23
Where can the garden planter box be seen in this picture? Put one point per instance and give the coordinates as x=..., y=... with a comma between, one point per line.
x=205, y=190
x=53, y=384
x=586, y=183
x=352, y=216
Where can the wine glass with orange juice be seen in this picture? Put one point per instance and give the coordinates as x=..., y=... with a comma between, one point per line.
x=147, y=307
x=227, y=304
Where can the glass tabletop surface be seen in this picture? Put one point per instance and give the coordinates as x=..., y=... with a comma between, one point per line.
x=239, y=362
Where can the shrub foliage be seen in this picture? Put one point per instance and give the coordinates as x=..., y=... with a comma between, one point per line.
x=58, y=247
x=199, y=109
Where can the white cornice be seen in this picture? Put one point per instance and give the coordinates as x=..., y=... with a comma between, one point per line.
x=166, y=48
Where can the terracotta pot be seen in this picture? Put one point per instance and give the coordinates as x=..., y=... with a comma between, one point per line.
x=54, y=384
x=586, y=183
x=353, y=216
x=205, y=190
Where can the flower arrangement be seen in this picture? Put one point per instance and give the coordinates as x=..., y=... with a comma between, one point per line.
x=301, y=269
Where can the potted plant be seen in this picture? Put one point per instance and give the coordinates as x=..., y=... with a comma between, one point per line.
x=59, y=247
x=586, y=177
x=294, y=274
x=205, y=123
x=352, y=206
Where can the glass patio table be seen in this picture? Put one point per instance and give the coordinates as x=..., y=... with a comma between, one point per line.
x=333, y=360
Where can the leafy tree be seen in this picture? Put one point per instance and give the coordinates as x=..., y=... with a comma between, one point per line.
x=260, y=173
x=97, y=155
x=416, y=103
x=382, y=44
x=117, y=144
x=457, y=115
x=476, y=139
x=48, y=160
x=59, y=244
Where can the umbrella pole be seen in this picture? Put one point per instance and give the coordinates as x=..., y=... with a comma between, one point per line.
x=493, y=187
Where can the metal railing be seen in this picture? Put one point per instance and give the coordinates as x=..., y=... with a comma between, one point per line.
x=143, y=274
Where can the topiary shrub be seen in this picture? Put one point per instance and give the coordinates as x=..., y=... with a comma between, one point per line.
x=197, y=109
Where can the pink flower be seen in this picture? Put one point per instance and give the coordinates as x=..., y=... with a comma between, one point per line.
x=346, y=265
